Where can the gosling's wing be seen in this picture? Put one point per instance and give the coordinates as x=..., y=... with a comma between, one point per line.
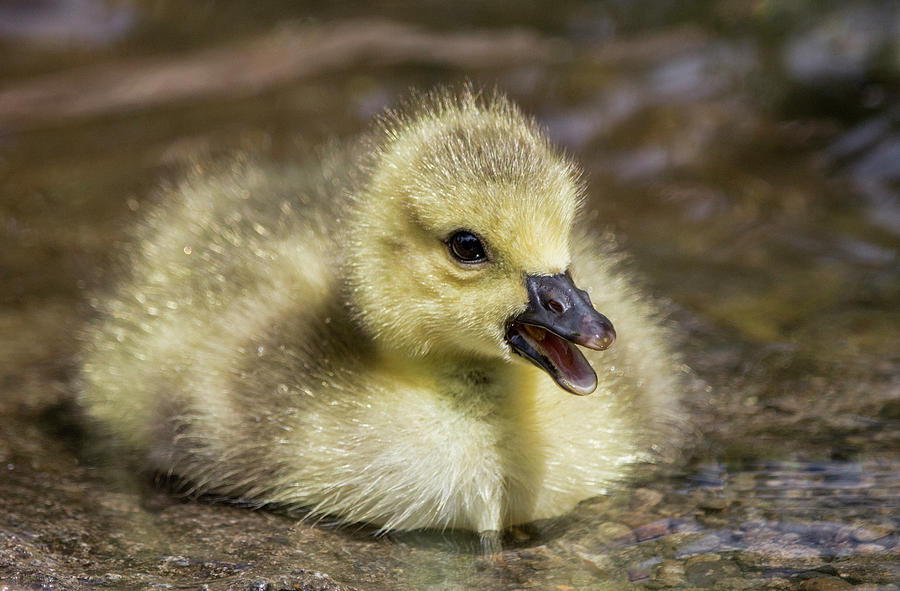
x=640, y=377
x=225, y=253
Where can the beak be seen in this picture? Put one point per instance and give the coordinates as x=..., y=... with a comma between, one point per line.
x=560, y=316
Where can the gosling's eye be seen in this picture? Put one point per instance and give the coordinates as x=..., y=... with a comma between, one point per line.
x=467, y=247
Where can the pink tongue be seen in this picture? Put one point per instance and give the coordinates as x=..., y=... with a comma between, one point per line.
x=569, y=362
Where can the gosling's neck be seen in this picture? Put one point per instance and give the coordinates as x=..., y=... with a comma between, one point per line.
x=470, y=379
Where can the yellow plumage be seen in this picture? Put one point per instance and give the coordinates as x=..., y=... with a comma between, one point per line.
x=313, y=337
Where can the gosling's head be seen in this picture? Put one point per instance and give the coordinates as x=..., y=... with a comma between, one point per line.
x=461, y=241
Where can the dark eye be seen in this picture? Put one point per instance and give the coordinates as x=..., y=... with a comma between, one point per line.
x=467, y=247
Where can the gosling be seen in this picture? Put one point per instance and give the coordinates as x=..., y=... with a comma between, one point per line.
x=404, y=333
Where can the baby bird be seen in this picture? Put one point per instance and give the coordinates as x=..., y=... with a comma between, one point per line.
x=393, y=336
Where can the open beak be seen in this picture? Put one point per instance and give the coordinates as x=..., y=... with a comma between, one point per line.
x=560, y=316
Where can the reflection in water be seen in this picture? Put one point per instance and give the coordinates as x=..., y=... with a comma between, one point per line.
x=745, y=154
x=767, y=524
x=64, y=22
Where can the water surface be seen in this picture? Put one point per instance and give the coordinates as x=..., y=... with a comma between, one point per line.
x=747, y=155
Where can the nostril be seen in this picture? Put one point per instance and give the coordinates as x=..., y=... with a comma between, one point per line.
x=555, y=306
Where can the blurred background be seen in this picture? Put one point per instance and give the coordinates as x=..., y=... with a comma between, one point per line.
x=745, y=153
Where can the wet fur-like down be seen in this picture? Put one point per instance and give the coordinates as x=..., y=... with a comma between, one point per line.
x=301, y=336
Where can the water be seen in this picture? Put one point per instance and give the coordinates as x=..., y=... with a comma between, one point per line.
x=746, y=154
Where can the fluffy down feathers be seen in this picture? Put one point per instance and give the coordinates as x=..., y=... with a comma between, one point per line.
x=303, y=337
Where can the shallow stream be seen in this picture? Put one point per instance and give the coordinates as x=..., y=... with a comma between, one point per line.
x=746, y=154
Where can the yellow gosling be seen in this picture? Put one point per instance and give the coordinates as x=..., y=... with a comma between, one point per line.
x=393, y=336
